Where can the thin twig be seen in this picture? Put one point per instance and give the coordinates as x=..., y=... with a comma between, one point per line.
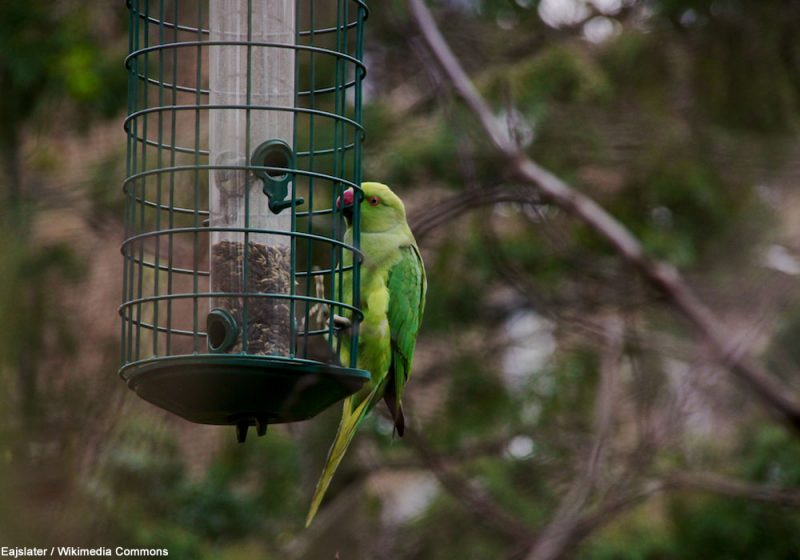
x=707, y=482
x=613, y=508
x=424, y=222
x=726, y=486
x=485, y=509
x=663, y=276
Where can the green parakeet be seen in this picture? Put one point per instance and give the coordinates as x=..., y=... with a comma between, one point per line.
x=393, y=290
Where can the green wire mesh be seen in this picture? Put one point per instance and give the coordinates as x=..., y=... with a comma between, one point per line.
x=212, y=301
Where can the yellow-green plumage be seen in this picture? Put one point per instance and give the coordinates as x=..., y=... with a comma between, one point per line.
x=393, y=289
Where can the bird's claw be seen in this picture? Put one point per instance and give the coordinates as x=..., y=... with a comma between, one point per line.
x=341, y=323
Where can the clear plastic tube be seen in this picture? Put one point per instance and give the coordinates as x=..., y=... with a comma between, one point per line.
x=251, y=77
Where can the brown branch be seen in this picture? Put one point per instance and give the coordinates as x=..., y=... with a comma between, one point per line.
x=611, y=509
x=481, y=449
x=663, y=276
x=558, y=535
x=706, y=482
x=717, y=484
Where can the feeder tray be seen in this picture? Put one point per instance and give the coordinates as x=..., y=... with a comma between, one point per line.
x=243, y=390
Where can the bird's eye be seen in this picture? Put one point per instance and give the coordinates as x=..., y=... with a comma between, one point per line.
x=374, y=201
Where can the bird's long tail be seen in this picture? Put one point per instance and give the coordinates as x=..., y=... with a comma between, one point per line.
x=351, y=418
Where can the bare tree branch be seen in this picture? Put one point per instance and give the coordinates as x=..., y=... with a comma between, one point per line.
x=558, y=535
x=663, y=276
x=707, y=482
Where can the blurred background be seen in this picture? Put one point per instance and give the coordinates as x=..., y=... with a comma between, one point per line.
x=558, y=406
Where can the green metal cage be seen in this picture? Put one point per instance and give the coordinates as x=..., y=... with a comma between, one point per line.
x=244, y=129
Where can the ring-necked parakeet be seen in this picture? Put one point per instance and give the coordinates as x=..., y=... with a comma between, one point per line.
x=392, y=299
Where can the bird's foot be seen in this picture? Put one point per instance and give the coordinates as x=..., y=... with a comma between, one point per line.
x=341, y=323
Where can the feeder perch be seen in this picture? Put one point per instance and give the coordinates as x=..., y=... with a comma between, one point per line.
x=244, y=126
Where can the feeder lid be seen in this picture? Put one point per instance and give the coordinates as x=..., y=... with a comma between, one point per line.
x=227, y=389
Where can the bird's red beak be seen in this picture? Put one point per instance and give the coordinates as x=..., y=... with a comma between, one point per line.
x=345, y=204
x=346, y=200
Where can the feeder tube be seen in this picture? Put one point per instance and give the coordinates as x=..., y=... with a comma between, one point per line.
x=251, y=78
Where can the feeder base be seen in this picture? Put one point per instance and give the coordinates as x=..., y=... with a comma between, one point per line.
x=242, y=390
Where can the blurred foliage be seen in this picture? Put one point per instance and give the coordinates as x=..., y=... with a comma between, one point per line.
x=54, y=52
x=681, y=121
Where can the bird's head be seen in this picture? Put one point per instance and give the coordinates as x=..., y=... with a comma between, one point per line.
x=381, y=209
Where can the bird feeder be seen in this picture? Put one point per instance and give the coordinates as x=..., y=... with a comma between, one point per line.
x=243, y=127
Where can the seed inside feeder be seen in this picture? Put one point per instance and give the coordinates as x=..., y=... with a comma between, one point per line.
x=268, y=327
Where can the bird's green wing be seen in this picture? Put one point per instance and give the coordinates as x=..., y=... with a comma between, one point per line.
x=407, y=286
